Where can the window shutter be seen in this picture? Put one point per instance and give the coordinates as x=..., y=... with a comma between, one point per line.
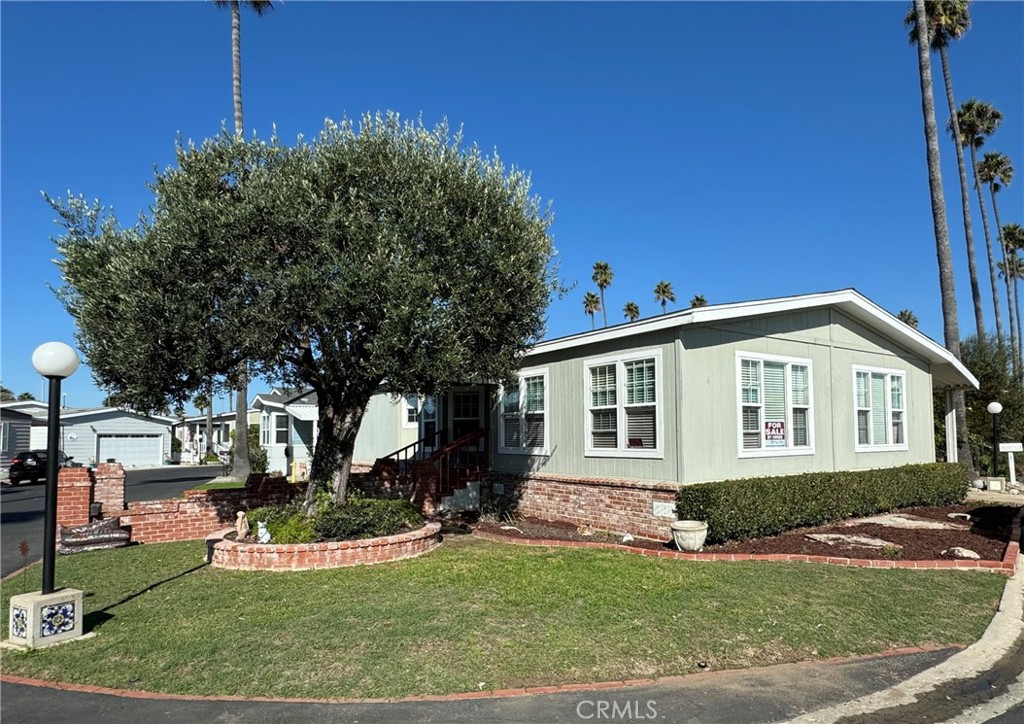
x=774, y=392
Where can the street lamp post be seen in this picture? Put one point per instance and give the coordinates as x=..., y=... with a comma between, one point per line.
x=994, y=408
x=55, y=361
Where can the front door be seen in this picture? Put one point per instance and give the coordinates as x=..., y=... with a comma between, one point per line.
x=429, y=415
x=465, y=412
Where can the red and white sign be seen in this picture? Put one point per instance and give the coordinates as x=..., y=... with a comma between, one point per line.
x=775, y=434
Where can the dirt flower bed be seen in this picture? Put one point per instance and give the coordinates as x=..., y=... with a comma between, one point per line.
x=987, y=535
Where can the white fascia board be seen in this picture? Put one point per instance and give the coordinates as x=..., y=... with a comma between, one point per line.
x=105, y=410
x=849, y=300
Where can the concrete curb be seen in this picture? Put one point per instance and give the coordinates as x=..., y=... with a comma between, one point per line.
x=1000, y=636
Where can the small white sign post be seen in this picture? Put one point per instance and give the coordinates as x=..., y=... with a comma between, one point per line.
x=1010, y=448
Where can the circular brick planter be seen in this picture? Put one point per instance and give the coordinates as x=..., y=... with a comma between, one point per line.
x=236, y=556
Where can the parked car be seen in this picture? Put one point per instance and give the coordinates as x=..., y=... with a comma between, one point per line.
x=30, y=465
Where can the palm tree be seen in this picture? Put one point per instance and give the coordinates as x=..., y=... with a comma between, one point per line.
x=591, y=306
x=240, y=465
x=947, y=287
x=996, y=170
x=949, y=20
x=631, y=311
x=698, y=301
x=908, y=317
x=663, y=294
x=603, y=279
x=1013, y=240
x=977, y=121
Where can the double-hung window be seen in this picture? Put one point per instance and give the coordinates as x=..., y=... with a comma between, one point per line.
x=524, y=418
x=775, y=408
x=622, y=399
x=280, y=429
x=879, y=396
x=265, y=419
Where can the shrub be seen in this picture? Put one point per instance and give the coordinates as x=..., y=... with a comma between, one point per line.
x=175, y=445
x=756, y=507
x=365, y=518
x=257, y=454
x=282, y=520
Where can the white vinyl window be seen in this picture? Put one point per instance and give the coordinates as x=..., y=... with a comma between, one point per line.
x=623, y=406
x=524, y=416
x=410, y=412
x=775, y=407
x=274, y=429
x=5, y=435
x=880, y=417
x=265, y=429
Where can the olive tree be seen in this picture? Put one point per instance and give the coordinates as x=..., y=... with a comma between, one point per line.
x=384, y=257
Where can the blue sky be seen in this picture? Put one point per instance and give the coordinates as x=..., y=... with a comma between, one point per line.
x=736, y=150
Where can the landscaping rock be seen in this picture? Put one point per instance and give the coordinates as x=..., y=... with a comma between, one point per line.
x=958, y=552
x=860, y=541
x=627, y=538
x=904, y=520
x=963, y=516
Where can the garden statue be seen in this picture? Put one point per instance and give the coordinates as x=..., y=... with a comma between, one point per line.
x=242, y=526
x=262, y=534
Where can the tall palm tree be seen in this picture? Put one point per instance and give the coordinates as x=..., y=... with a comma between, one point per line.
x=663, y=294
x=908, y=317
x=631, y=311
x=977, y=121
x=698, y=301
x=240, y=464
x=603, y=279
x=996, y=170
x=1013, y=240
x=947, y=287
x=948, y=20
x=591, y=306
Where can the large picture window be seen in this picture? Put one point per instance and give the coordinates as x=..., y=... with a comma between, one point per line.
x=879, y=396
x=622, y=398
x=775, y=409
x=524, y=422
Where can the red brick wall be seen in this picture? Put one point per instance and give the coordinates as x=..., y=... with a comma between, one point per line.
x=619, y=506
x=307, y=556
x=74, y=496
x=109, y=486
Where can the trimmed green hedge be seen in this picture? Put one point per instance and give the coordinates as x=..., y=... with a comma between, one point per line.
x=756, y=507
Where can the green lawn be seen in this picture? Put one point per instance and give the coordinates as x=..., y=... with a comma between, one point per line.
x=222, y=485
x=475, y=614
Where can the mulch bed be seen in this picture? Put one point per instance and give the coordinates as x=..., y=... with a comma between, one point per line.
x=989, y=532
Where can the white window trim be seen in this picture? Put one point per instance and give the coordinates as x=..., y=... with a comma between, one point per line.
x=782, y=359
x=537, y=451
x=5, y=435
x=889, y=372
x=272, y=430
x=406, y=424
x=622, y=451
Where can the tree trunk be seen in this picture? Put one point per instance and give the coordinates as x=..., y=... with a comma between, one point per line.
x=1014, y=325
x=236, y=65
x=1020, y=337
x=604, y=312
x=972, y=268
x=340, y=418
x=947, y=287
x=988, y=242
x=241, y=467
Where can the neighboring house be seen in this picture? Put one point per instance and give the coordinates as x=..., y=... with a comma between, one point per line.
x=92, y=435
x=15, y=436
x=191, y=431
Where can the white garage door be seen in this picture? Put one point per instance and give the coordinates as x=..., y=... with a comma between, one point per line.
x=132, y=450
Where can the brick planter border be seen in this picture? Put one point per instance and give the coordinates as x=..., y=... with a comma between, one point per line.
x=1005, y=566
x=234, y=556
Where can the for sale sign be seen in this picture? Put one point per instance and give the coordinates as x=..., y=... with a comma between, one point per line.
x=775, y=434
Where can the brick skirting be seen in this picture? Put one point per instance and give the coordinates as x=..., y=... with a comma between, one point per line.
x=618, y=506
x=235, y=556
x=1005, y=566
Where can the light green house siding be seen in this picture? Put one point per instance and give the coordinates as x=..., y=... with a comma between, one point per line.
x=698, y=407
x=382, y=431
x=567, y=411
x=833, y=344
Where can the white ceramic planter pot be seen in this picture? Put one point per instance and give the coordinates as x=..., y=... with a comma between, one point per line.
x=689, y=535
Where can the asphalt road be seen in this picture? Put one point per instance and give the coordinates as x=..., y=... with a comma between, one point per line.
x=21, y=508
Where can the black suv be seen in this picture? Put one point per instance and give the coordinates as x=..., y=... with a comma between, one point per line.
x=30, y=465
